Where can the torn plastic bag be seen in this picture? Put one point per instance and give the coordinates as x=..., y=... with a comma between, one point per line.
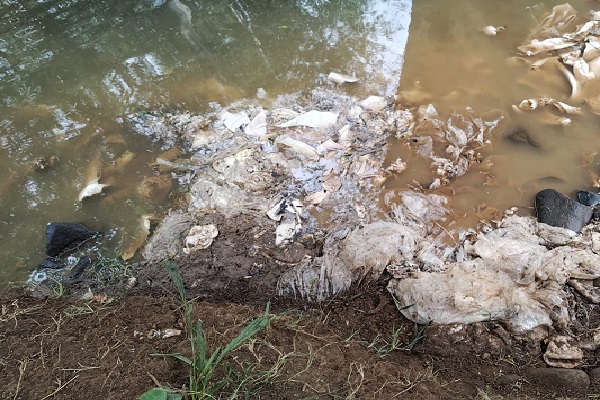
x=364, y=253
x=508, y=275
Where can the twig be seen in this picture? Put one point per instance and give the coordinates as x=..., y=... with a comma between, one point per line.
x=448, y=233
x=22, y=366
x=60, y=387
x=156, y=382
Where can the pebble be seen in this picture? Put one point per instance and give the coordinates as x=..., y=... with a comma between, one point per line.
x=558, y=379
x=594, y=376
x=507, y=380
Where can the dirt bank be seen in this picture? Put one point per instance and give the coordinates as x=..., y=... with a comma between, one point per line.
x=68, y=349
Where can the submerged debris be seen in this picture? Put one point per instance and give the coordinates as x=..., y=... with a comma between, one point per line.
x=492, y=30
x=341, y=78
x=574, y=52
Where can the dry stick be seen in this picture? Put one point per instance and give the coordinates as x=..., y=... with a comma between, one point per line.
x=156, y=382
x=58, y=389
x=448, y=233
x=111, y=371
x=22, y=366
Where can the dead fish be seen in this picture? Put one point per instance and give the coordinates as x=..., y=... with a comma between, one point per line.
x=92, y=177
x=92, y=188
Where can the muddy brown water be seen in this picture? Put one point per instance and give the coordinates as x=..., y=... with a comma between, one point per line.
x=74, y=73
x=451, y=64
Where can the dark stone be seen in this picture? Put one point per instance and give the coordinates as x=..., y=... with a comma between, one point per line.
x=594, y=377
x=588, y=198
x=558, y=379
x=82, y=265
x=507, y=380
x=64, y=236
x=556, y=209
x=50, y=263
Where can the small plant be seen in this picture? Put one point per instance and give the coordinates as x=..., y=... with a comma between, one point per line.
x=58, y=289
x=383, y=346
x=74, y=311
x=204, y=367
x=108, y=268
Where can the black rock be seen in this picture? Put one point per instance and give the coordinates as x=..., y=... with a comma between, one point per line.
x=82, y=265
x=588, y=198
x=556, y=209
x=50, y=263
x=64, y=236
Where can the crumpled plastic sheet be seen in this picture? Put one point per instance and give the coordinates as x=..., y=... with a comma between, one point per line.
x=365, y=252
x=451, y=144
x=508, y=274
x=362, y=253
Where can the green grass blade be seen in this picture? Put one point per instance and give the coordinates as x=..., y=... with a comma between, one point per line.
x=177, y=356
x=199, y=351
x=249, y=330
x=175, y=276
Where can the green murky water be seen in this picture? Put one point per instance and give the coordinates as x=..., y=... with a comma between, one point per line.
x=74, y=72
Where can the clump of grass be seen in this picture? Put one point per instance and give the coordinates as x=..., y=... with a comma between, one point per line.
x=74, y=311
x=383, y=345
x=209, y=373
x=58, y=289
x=107, y=269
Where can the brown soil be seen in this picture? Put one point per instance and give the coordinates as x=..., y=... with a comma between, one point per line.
x=47, y=351
x=103, y=349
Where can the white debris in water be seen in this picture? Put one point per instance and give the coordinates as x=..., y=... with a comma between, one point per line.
x=374, y=103
x=297, y=145
x=529, y=104
x=234, y=121
x=92, y=188
x=492, y=30
x=341, y=78
x=258, y=125
x=313, y=119
x=261, y=93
